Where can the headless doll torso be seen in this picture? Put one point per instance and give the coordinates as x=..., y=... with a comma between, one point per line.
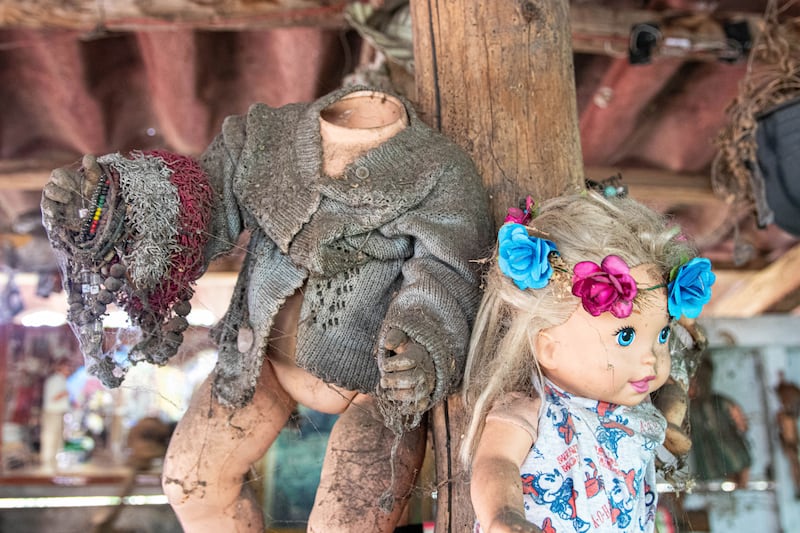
x=214, y=446
x=350, y=127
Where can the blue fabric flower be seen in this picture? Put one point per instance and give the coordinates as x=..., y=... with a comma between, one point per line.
x=524, y=258
x=690, y=289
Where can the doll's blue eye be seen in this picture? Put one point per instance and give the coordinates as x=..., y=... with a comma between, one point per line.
x=663, y=336
x=625, y=336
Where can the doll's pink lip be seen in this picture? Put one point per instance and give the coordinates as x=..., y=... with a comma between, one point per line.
x=643, y=384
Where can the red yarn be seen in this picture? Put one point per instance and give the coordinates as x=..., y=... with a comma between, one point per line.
x=186, y=265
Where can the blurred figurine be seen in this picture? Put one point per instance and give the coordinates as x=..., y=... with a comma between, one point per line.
x=789, y=396
x=55, y=404
x=719, y=431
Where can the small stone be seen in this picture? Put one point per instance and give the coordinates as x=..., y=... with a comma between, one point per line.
x=177, y=323
x=98, y=308
x=113, y=284
x=182, y=308
x=117, y=270
x=105, y=296
x=173, y=339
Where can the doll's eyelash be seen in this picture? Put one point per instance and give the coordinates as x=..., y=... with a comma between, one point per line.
x=623, y=328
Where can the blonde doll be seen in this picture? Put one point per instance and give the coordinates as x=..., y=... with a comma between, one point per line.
x=570, y=340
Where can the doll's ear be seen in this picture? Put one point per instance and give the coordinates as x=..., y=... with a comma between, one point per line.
x=545, y=346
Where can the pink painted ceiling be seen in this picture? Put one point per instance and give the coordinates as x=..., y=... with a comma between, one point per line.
x=65, y=93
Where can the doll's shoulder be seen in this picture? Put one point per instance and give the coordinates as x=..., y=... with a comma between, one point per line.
x=519, y=409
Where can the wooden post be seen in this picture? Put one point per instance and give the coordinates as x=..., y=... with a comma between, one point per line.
x=497, y=77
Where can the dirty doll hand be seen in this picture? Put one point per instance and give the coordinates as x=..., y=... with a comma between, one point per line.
x=66, y=192
x=511, y=521
x=407, y=373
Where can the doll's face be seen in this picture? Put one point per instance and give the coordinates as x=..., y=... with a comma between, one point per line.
x=616, y=360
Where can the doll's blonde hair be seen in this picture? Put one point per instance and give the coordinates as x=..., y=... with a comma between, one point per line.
x=584, y=227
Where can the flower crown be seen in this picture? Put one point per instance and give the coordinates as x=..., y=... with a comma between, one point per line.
x=532, y=261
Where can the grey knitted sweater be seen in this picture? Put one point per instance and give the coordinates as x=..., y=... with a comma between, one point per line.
x=391, y=243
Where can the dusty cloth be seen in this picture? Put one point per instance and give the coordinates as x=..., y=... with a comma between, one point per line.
x=391, y=243
x=592, y=465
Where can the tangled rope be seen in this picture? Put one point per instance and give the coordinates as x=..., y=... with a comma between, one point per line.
x=772, y=78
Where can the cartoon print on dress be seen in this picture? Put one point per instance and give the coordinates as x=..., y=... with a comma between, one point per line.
x=649, y=501
x=561, y=417
x=605, y=408
x=622, y=496
x=551, y=489
x=594, y=481
x=548, y=527
x=611, y=430
x=562, y=420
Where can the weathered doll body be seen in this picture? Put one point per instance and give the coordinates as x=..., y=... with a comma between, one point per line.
x=570, y=341
x=357, y=290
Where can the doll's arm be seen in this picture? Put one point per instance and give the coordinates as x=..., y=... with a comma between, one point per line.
x=436, y=304
x=496, y=485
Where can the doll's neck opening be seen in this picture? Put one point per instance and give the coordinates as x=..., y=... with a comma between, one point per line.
x=355, y=124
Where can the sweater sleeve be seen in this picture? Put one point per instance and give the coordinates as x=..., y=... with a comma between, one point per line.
x=439, y=295
x=220, y=162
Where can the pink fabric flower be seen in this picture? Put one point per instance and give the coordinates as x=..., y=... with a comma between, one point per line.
x=607, y=287
x=520, y=216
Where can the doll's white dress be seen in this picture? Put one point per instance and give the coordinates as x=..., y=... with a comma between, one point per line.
x=592, y=465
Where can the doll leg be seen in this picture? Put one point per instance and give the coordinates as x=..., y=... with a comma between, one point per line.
x=212, y=450
x=358, y=471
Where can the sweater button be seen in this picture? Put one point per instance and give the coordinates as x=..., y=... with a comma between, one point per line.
x=362, y=173
x=244, y=340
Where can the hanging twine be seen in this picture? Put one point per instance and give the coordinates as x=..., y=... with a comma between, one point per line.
x=773, y=77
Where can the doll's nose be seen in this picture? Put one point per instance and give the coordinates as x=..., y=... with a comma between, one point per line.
x=658, y=358
x=649, y=358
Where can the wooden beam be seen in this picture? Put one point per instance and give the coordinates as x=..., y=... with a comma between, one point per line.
x=90, y=15
x=26, y=175
x=669, y=188
x=692, y=36
x=595, y=29
x=756, y=331
x=788, y=304
x=497, y=78
x=760, y=291
x=643, y=183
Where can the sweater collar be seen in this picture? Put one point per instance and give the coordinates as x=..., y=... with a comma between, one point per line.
x=388, y=178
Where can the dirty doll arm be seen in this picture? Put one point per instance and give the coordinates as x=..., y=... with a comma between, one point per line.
x=496, y=486
x=435, y=306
